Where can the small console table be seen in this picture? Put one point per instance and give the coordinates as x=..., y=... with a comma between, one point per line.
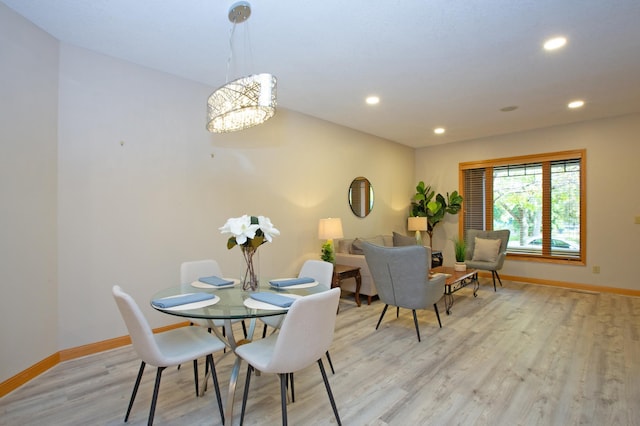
x=341, y=272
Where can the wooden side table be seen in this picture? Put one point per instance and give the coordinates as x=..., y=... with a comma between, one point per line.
x=341, y=272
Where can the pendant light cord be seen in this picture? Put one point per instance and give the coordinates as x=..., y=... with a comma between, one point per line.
x=233, y=29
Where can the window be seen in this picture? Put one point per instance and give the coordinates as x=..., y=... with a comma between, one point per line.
x=539, y=198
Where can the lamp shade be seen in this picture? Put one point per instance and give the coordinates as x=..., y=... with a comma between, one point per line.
x=330, y=228
x=417, y=224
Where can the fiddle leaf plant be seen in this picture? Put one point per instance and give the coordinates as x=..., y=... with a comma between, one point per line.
x=424, y=204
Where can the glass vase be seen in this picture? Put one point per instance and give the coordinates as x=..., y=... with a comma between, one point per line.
x=251, y=274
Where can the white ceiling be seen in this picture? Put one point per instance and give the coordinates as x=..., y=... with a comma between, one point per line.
x=450, y=63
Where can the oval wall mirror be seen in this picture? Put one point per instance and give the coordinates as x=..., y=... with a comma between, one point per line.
x=361, y=196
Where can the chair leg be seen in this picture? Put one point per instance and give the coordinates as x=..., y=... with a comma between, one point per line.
x=195, y=374
x=216, y=386
x=245, y=394
x=435, y=307
x=494, y=280
x=330, y=363
x=381, y=315
x=293, y=393
x=397, y=311
x=264, y=331
x=156, y=388
x=135, y=390
x=244, y=329
x=415, y=321
x=331, y=399
x=283, y=397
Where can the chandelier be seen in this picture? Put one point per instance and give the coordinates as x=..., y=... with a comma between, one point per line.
x=246, y=101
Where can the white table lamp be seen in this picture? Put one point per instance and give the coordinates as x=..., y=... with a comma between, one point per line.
x=417, y=224
x=328, y=229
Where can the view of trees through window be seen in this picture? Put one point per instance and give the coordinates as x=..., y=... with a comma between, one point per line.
x=518, y=205
x=539, y=201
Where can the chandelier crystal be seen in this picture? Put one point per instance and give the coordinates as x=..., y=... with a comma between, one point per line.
x=246, y=101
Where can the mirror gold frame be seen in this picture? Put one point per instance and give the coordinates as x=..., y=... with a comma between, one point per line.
x=361, y=196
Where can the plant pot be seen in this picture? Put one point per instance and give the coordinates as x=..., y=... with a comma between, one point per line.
x=460, y=266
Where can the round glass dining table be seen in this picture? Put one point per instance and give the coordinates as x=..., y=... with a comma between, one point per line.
x=231, y=304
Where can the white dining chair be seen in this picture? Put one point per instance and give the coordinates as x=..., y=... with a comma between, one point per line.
x=320, y=271
x=166, y=349
x=305, y=335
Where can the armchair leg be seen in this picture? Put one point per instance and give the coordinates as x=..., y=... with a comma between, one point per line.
x=415, y=321
x=495, y=274
x=435, y=308
x=381, y=315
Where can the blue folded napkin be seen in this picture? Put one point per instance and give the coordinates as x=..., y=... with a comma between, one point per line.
x=213, y=280
x=291, y=281
x=169, y=302
x=273, y=299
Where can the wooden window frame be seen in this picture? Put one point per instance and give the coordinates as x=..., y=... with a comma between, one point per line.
x=545, y=159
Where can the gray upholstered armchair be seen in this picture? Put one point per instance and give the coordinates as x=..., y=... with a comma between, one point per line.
x=401, y=275
x=486, y=250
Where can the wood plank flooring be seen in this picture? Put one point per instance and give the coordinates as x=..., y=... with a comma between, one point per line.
x=524, y=355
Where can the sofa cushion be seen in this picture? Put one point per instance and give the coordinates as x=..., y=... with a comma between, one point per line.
x=356, y=246
x=400, y=240
x=344, y=245
x=486, y=250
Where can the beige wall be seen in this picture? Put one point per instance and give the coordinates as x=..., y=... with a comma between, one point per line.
x=138, y=190
x=28, y=175
x=140, y=193
x=613, y=199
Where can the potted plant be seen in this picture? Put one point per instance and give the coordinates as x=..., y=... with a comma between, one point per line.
x=425, y=205
x=460, y=248
x=328, y=254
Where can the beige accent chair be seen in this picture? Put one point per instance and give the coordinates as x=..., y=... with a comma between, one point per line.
x=485, y=253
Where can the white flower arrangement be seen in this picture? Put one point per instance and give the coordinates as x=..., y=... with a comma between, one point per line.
x=249, y=231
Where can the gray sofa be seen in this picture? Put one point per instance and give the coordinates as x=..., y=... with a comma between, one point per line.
x=349, y=252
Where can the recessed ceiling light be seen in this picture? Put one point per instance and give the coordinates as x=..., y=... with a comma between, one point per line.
x=576, y=104
x=509, y=108
x=439, y=130
x=555, y=43
x=373, y=100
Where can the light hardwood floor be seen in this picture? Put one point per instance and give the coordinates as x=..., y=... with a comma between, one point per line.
x=525, y=355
